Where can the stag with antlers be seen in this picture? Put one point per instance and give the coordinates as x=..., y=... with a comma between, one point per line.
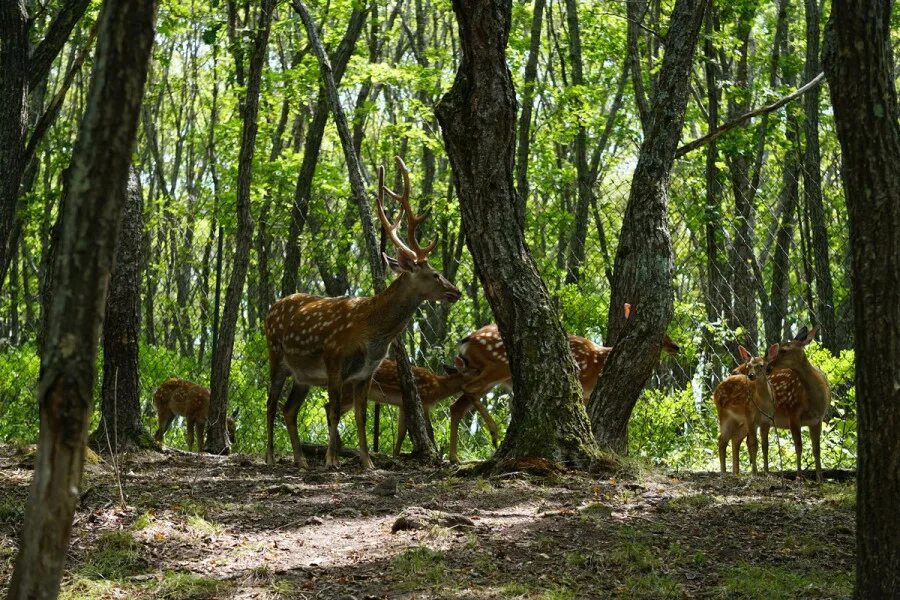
x=338, y=343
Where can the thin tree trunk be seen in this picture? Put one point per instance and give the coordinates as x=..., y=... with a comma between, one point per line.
x=217, y=441
x=120, y=424
x=524, y=139
x=812, y=186
x=478, y=121
x=860, y=71
x=96, y=194
x=644, y=258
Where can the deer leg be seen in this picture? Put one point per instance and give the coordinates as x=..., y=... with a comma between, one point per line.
x=332, y=460
x=488, y=422
x=165, y=421
x=189, y=434
x=815, y=436
x=277, y=375
x=798, y=444
x=764, y=435
x=723, y=450
x=200, y=426
x=295, y=400
x=736, y=454
x=752, y=447
x=457, y=411
x=401, y=431
x=360, y=394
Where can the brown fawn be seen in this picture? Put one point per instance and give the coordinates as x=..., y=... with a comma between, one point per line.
x=182, y=398
x=745, y=403
x=482, y=358
x=802, y=396
x=338, y=343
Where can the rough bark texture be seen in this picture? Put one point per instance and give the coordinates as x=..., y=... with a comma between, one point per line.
x=478, y=120
x=21, y=70
x=120, y=424
x=96, y=182
x=644, y=259
x=423, y=446
x=860, y=71
x=217, y=441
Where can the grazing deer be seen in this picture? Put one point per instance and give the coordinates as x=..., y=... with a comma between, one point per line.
x=338, y=343
x=182, y=398
x=745, y=403
x=482, y=357
x=802, y=396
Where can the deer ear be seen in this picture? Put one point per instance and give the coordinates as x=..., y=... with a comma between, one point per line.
x=772, y=353
x=745, y=355
x=801, y=335
x=627, y=310
x=406, y=262
x=809, y=336
x=391, y=263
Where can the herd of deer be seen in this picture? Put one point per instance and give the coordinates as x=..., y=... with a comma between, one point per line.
x=341, y=344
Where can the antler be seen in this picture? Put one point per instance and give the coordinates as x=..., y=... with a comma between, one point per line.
x=390, y=229
x=418, y=251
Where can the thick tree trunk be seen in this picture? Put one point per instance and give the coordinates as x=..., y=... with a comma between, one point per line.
x=478, y=121
x=120, y=424
x=217, y=441
x=644, y=258
x=860, y=71
x=96, y=193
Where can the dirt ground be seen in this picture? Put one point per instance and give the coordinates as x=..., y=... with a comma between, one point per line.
x=212, y=527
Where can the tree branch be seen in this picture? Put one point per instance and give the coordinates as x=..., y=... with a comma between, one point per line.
x=738, y=121
x=46, y=52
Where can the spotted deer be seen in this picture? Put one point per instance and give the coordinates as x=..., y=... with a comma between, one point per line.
x=338, y=343
x=482, y=358
x=182, y=398
x=745, y=403
x=802, y=396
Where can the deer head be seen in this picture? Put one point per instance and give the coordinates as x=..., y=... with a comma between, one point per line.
x=758, y=367
x=412, y=259
x=793, y=353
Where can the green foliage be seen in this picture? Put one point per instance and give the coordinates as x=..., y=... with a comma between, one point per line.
x=751, y=582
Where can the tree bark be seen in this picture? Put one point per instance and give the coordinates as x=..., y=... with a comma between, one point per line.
x=812, y=186
x=644, y=258
x=860, y=71
x=96, y=183
x=217, y=441
x=478, y=121
x=120, y=424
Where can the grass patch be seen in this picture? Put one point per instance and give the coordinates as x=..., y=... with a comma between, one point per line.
x=751, y=582
x=83, y=588
x=143, y=521
x=635, y=556
x=558, y=593
x=514, y=590
x=12, y=510
x=803, y=545
x=651, y=586
x=202, y=526
x=841, y=496
x=116, y=555
x=183, y=585
x=691, y=502
x=420, y=566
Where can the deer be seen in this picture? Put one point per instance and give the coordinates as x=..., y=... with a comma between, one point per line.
x=339, y=342
x=481, y=356
x=802, y=397
x=182, y=398
x=744, y=404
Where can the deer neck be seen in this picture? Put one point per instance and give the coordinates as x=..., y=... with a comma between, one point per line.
x=814, y=382
x=449, y=385
x=391, y=310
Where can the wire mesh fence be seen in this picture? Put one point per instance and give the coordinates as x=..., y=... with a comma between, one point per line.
x=744, y=272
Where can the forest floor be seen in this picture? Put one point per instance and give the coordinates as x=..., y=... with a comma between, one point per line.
x=212, y=527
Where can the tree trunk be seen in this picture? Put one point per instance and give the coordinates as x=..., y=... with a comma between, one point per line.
x=478, y=121
x=860, y=71
x=96, y=193
x=120, y=424
x=311, y=147
x=217, y=441
x=644, y=258
x=524, y=140
x=812, y=186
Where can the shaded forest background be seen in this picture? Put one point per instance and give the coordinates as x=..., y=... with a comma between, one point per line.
x=758, y=219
